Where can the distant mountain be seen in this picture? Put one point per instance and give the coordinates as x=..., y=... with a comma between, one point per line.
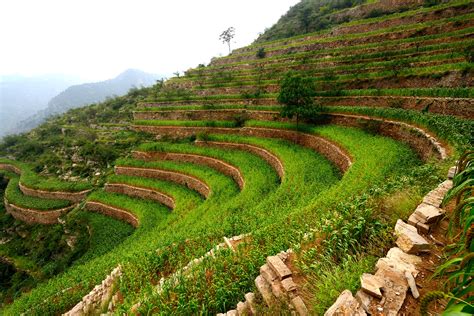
x=87, y=93
x=22, y=96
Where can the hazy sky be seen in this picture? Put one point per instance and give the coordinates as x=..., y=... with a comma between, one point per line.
x=97, y=39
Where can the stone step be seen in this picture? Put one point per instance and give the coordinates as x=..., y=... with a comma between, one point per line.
x=279, y=267
x=408, y=238
x=265, y=290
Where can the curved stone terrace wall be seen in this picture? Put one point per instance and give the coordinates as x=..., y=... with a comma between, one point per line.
x=114, y=212
x=32, y=216
x=323, y=146
x=11, y=168
x=141, y=192
x=420, y=140
x=270, y=158
x=75, y=197
x=180, y=178
x=214, y=163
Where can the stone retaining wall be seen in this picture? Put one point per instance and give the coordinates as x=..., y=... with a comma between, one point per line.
x=461, y=107
x=11, y=168
x=214, y=163
x=180, y=178
x=270, y=158
x=141, y=192
x=328, y=149
x=451, y=79
x=384, y=292
x=113, y=212
x=422, y=142
x=99, y=298
x=32, y=216
x=75, y=197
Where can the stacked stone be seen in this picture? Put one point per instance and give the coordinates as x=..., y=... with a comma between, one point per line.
x=100, y=298
x=275, y=285
x=384, y=292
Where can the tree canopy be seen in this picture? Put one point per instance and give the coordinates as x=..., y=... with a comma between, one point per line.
x=297, y=96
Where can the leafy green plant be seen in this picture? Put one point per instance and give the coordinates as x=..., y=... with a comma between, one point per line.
x=297, y=96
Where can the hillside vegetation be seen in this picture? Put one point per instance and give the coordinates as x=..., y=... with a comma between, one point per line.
x=172, y=169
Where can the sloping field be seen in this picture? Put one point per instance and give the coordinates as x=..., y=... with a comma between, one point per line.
x=396, y=97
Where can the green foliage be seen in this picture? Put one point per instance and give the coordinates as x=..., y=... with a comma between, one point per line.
x=261, y=53
x=297, y=96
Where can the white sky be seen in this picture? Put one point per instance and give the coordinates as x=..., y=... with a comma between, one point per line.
x=97, y=39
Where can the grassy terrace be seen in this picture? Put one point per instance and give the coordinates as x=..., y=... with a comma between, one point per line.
x=14, y=195
x=337, y=59
x=343, y=65
x=452, y=130
x=346, y=37
x=30, y=179
x=386, y=17
x=467, y=92
x=426, y=43
x=428, y=71
x=376, y=159
x=226, y=206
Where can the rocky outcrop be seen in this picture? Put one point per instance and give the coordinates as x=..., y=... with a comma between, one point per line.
x=189, y=181
x=141, y=192
x=330, y=150
x=270, y=158
x=214, y=163
x=32, y=216
x=112, y=211
x=74, y=197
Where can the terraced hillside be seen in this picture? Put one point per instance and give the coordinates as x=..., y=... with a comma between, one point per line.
x=199, y=179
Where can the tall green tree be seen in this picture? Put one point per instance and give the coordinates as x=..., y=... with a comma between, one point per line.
x=297, y=96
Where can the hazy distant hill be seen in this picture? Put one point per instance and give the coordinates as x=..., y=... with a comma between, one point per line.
x=87, y=93
x=22, y=96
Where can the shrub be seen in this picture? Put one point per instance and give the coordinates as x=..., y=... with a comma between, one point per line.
x=261, y=53
x=297, y=96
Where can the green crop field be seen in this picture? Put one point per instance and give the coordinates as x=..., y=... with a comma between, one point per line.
x=363, y=64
